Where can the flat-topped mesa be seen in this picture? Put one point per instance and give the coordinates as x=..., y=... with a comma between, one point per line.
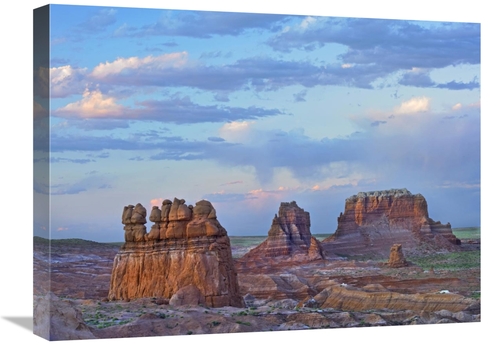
x=186, y=247
x=373, y=221
x=289, y=236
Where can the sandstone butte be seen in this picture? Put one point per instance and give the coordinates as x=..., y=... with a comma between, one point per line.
x=372, y=222
x=186, y=255
x=289, y=237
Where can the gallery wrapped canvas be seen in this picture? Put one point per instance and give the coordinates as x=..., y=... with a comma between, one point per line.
x=208, y=172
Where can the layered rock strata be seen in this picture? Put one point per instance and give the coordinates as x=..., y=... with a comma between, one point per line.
x=373, y=221
x=352, y=299
x=186, y=246
x=289, y=236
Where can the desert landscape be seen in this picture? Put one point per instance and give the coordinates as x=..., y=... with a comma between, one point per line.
x=388, y=263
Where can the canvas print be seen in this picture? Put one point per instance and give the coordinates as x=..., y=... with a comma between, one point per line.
x=202, y=172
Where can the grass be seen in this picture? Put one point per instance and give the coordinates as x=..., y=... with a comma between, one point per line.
x=71, y=241
x=246, y=241
x=449, y=261
x=467, y=233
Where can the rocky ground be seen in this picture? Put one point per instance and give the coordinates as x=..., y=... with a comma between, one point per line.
x=278, y=295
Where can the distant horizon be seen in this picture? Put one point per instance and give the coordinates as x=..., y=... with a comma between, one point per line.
x=313, y=234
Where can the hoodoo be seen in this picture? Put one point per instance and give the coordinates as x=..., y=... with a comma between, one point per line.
x=372, y=222
x=186, y=249
x=289, y=237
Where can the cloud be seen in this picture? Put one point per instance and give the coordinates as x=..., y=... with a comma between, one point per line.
x=155, y=202
x=70, y=160
x=386, y=46
x=417, y=77
x=183, y=110
x=205, y=24
x=453, y=85
x=66, y=80
x=93, y=105
x=392, y=150
x=420, y=78
x=414, y=105
x=258, y=73
x=300, y=96
x=88, y=183
x=232, y=183
x=236, y=131
x=99, y=21
x=216, y=139
x=377, y=123
x=154, y=63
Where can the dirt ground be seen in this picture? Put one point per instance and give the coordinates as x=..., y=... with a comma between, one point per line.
x=80, y=274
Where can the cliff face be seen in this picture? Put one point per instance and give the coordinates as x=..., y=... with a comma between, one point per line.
x=372, y=222
x=186, y=246
x=289, y=236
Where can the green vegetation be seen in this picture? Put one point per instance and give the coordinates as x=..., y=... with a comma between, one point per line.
x=246, y=241
x=72, y=241
x=467, y=233
x=321, y=237
x=448, y=261
x=244, y=323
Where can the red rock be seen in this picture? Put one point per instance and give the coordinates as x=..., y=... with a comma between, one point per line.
x=289, y=237
x=194, y=250
x=373, y=221
x=396, y=258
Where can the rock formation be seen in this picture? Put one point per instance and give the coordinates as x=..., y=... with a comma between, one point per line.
x=289, y=237
x=373, y=221
x=186, y=246
x=354, y=299
x=397, y=258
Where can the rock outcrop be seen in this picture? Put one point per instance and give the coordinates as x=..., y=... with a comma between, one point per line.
x=186, y=247
x=354, y=299
x=289, y=237
x=373, y=221
x=397, y=258
x=57, y=319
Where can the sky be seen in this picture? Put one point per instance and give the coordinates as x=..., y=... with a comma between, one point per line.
x=248, y=110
